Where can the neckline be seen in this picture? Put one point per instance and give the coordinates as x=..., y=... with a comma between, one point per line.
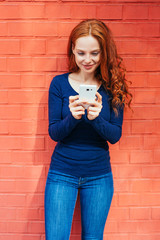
x=73, y=88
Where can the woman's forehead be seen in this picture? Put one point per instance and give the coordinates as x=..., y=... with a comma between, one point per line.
x=87, y=42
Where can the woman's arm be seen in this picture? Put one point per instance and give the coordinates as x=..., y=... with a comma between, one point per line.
x=58, y=128
x=110, y=130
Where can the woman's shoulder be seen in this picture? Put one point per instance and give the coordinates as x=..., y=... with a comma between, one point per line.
x=59, y=80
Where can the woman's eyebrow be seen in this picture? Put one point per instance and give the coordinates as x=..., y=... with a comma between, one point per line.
x=91, y=51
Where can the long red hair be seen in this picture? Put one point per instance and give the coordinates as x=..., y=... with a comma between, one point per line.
x=110, y=71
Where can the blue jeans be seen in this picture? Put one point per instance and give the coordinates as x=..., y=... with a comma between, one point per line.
x=60, y=198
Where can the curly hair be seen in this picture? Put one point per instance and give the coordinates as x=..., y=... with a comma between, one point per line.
x=110, y=71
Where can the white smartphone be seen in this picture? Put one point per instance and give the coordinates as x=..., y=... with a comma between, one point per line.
x=87, y=93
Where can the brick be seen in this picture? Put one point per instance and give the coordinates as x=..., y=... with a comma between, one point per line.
x=5, y=157
x=30, y=143
x=10, y=112
x=65, y=28
x=17, y=236
x=129, y=63
x=140, y=185
x=30, y=112
x=154, y=12
x=118, y=213
x=3, y=64
x=109, y=11
x=10, y=142
x=12, y=172
x=14, y=200
x=153, y=47
x=8, y=11
x=44, y=64
x=155, y=185
x=111, y=227
x=22, y=157
x=151, y=142
x=8, y=81
x=150, y=171
x=33, y=46
x=17, y=227
x=151, y=236
x=36, y=227
x=156, y=158
x=83, y=11
x=140, y=213
x=11, y=46
x=21, y=64
x=146, y=96
x=4, y=29
x=128, y=199
x=20, y=127
x=144, y=112
x=25, y=186
x=62, y=64
x=34, y=172
x=45, y=28
x=131, y=142
x=126, y=128
x=53, y=10
x=4, y=96
x=43, y=157
x=23, y=28
x=7, y=186
x=33, y=11
x=7, y=214
x=41, y=127
x=147, y=64
x=121, y=185
x=33, y=81
x=153, y=80
x=129, y=171
x=27, y=96
x=34, y=200
x=150, y=199
x=123, y=29
x=147, y=30
x=57, y=46
x=4, y=127
x=119, y=156
x=114, y=236
x=138, y=79
x=139, y=227
x=144, y=127
x=27, y=214
x=132, y=46
x=142, y=156
x=156, y=213
x=135, y=12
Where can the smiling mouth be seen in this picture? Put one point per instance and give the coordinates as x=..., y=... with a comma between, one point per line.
x=88, y=66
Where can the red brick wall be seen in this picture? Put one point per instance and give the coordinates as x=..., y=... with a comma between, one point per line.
x=33, y=40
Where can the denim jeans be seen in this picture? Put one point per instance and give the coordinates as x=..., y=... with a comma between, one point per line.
x=60, y=198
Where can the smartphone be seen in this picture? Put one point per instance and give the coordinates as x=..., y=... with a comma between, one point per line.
x=87, y=93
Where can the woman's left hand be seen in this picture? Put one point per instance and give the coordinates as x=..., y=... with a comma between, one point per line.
x=95, y=108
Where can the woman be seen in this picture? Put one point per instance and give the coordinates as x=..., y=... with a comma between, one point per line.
x=81, y=160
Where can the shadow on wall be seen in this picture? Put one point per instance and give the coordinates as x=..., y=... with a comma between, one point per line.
x=43, y=148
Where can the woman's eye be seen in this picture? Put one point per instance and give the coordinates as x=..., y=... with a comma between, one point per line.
x=95, y=53
x=80, y=53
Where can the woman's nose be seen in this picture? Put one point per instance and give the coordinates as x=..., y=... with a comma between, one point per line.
x=88, y=58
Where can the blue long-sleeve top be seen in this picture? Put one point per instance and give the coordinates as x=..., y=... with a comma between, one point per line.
x=82, y=144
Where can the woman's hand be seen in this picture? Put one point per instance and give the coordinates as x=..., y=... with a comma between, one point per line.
x=95, y=108
x=75, y=108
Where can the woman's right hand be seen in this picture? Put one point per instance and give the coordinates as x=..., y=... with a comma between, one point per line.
x=75, y=108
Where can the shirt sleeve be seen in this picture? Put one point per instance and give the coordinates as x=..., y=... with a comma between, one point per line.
x=58, y=128
x=110, y=130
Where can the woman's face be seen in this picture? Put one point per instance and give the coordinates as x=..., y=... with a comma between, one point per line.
x=87, y=53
